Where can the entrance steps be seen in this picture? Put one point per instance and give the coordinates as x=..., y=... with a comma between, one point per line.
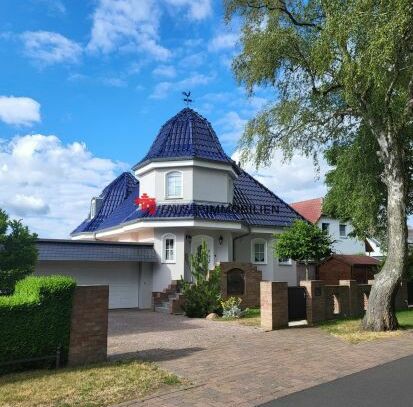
x=170, y=300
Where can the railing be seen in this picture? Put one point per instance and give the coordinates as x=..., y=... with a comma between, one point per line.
x=56, y=357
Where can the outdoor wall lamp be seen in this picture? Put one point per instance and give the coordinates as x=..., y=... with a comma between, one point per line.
x=188, y=238
x=220, y=240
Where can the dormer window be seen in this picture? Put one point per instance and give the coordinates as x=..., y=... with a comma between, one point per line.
x=95, y=206
x=173, y=185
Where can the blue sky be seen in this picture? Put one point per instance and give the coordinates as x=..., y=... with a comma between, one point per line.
x=86, y=85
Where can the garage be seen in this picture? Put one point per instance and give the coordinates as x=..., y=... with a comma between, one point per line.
x=125, y=267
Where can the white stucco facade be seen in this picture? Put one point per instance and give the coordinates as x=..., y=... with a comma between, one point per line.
x=201, y=183
x=343, y=244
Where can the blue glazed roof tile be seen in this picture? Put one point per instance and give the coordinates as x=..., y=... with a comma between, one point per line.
x=187, y=135
x=123, y=187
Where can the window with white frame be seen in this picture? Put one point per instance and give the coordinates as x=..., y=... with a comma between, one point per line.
x=259, y=251
x=343, y=230
x=169, y=248
x=173, y=184
x=285, y=261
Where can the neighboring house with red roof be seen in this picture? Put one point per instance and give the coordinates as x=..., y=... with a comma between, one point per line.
x=312, y=210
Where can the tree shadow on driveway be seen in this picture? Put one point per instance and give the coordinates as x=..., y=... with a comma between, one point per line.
x=157, y=354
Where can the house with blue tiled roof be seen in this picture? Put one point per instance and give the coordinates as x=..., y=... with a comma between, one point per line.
x=198, y=194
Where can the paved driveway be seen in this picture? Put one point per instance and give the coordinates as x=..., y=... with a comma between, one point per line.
x=228, y=364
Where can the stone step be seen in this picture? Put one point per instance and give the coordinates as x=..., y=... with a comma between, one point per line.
x=162, y=309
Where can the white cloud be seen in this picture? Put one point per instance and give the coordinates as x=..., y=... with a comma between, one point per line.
x=197, y=9
x=193, y=60
x=114, y=82
x=19, y=110
x=50, y=184
x=129, y=25
x=54, y=6
x=49, y=48
x=232, y=126
x=167, y=71
x=162, y=89
x=292, y=181
x=223, y=41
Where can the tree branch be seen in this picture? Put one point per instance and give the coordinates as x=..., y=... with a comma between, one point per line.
x=283, y=8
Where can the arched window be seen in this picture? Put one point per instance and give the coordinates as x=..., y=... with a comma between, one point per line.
x=173, y=184
x=168, y=248
x=259, y=251
x=235, y=282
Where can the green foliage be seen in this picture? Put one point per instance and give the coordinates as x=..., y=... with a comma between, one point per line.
x=324, y=58
x=341, y=73
x=202, y=296
x=356, y=174
x=303, y=242
x=18, y=253
x=35, y=320
x=231, y=308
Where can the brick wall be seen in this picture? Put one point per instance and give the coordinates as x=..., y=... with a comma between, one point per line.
x=252, y=279
x=89, y=325
x=346, y=300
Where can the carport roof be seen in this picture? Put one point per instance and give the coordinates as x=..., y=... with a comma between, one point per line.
x=80, y=250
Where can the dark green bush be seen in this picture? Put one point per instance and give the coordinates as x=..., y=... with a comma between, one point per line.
x=202, y=296
x=9, y=278
x=18, y=253
x=35, y=320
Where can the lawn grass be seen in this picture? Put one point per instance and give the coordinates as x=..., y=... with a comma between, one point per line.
x=252, y=317
x=96, y=385
x=350, y=330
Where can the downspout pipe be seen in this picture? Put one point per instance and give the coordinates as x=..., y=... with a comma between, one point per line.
x=237, y=238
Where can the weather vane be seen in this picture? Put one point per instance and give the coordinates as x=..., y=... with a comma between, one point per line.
x=187, y=98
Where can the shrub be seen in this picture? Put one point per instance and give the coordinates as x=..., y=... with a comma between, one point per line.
x=35, y=320
x=202, y=296
x=9, y=278
x=18, y=253
x=231, y=308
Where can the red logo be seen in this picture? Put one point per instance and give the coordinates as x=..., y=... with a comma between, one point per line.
x=146, y=203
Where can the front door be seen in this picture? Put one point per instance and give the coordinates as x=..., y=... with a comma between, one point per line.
x=196, y=244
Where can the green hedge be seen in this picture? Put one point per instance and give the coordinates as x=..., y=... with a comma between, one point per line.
x=35, y=320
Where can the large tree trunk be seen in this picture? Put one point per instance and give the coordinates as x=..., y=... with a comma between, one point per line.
x=380, y=314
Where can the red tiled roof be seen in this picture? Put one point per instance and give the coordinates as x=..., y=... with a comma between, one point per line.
x=353, y=259
x=310, y=209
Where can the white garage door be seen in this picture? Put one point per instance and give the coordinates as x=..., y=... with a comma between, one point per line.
x=122, y=278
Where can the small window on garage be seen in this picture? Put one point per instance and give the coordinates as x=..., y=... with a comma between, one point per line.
x=343, y=230
x=169, y=248
x=235, y=282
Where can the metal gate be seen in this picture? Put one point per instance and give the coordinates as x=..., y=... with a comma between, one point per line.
x=410, y=292
x=297, y=307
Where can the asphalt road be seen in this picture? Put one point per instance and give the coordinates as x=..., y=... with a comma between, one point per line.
x=387, y=385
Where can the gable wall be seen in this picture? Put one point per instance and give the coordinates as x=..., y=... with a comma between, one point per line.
x=272, y=270
x=342, y=245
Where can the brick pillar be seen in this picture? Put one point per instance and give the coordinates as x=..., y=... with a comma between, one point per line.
x=315, y=299
x=354, y=301
x=274, y=304
x=89, y=325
